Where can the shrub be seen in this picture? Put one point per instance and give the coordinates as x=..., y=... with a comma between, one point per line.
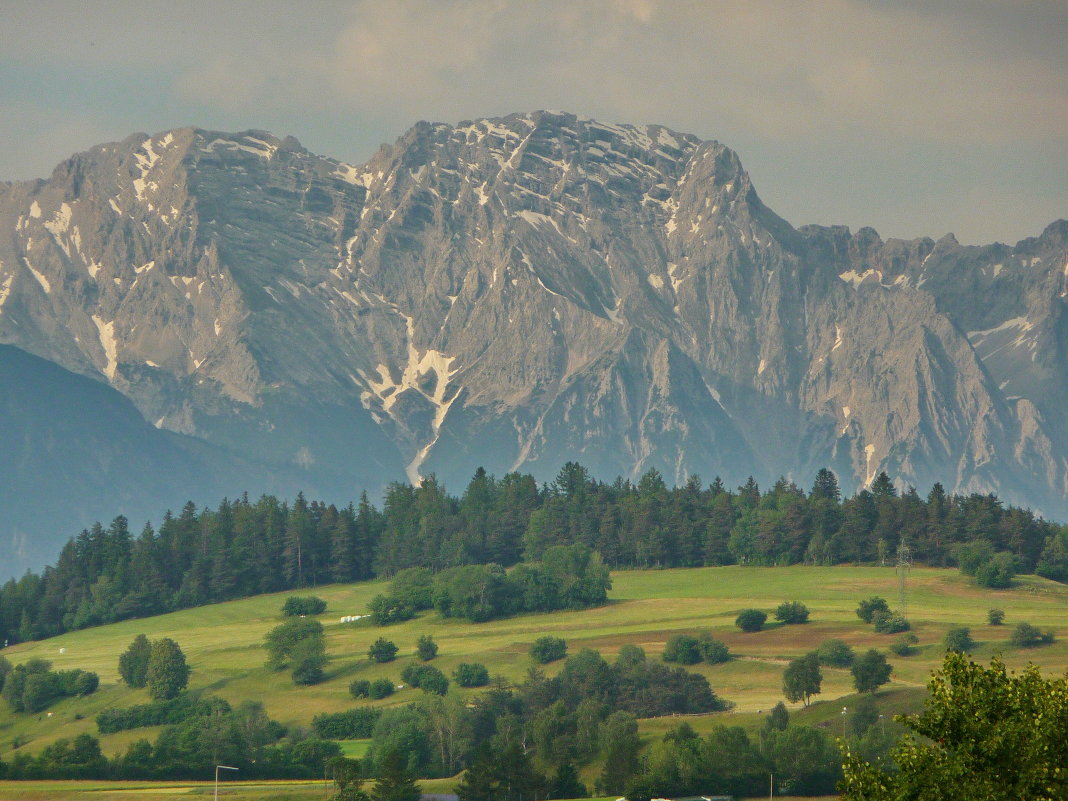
x=959, y=639
x=867, y=608
x=471, y=674
x=412, y=674
x=1027, y=636
x=352, y=724
x=903, y=645
x=792, y=612
x=995, y=617
x=426, y=649
x=432, y=680
x=360, y=688
x=297, y=606
x=712, y=650
x=387, y=609
x=751, y=620
x=682, y=648
x=835, y=653
x=382, y=650
x=548, y=649
x=890, y=622
x=380, y=688
x=997, y=573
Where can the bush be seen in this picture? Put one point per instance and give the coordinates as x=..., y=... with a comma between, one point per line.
x=998, y=572
x=353, y=724
x=412, y=674
x=995, y=617
x=298, y=606
x=471, y=674
x=959, y=639
x=903, y=646
x=548, y=649
x=413, y=587
x=158, y=713
x=1027, y=636
x=712, y=650
x=835, y=653
x=751, y=620
x=890, y=622
x=387, y=610
x=380, y=688
x=432, y=680
x=360, y=688
x=382, y=650
x=867, y=608
x=426, y=649
x=683, y=649
x=792, y=612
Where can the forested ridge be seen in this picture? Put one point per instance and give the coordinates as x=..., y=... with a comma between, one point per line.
x=245, y=547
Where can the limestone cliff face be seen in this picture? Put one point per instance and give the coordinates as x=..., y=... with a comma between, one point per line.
x=523, y=291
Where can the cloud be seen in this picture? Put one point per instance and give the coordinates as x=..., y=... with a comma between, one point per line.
x=808, y=93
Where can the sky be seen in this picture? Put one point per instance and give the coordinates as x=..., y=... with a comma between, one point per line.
x=915, y=117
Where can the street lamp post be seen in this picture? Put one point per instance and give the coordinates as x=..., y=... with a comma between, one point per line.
x=217, y=769
x=844, y=710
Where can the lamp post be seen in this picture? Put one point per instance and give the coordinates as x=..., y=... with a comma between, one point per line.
x=844, y=710
x=217, y=769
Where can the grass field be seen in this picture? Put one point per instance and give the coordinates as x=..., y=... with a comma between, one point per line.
x=223, y=645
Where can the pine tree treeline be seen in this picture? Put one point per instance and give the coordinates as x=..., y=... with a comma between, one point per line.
x=244, y=548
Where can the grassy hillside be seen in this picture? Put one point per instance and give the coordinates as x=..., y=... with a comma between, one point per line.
x=223, y=642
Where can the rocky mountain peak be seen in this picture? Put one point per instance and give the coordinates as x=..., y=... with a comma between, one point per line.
x=522, y=291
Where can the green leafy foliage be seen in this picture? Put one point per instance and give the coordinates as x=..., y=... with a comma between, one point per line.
x=359, y=688
x=792, y=612
x=133, y=663
x=995, y=617
x=471, y=674
x=382, y=650
x=352, y=724
x=835, y=653
x=802, y=678
x=380, y=688
x=683, y=649
x=168, y=673
x=751, y=620
x=984, y=734
x=889, y=622
x=1027, y=636
x=959, y=638
x=299, y=606
x=867, y=608
x=548, y=649
x=713, y=651
x=159, y=713
x=33, y=686
x=870, y=671
x=904, y=645
x=299, y=643
x=425, y=648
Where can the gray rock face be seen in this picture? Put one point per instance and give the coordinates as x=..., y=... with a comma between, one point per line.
x=519, y=292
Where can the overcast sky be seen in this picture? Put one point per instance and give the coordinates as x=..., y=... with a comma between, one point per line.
x=917, y=118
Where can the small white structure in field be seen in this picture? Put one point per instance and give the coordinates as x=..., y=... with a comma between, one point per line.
x=63, y=650
x=352, y=618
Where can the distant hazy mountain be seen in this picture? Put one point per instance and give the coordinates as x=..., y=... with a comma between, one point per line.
x=519, y=292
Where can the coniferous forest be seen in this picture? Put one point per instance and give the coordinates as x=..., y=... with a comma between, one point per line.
x=245, y=547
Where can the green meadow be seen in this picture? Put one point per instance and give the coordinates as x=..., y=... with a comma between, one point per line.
x=223, y=646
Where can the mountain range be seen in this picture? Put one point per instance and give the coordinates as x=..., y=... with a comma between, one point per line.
x=196, y=313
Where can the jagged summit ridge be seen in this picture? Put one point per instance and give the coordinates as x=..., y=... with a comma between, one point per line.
x=520, y=291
